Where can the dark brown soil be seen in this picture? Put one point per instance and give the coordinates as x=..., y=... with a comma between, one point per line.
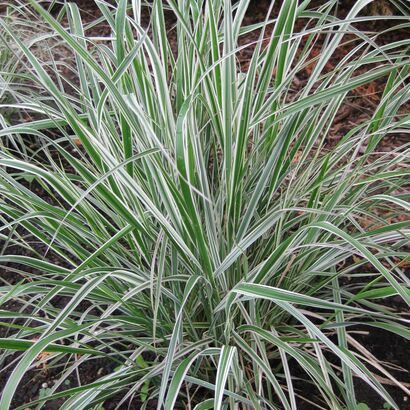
x=384, y=346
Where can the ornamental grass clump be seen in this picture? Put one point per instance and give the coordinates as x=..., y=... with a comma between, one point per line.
x=202, y=232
